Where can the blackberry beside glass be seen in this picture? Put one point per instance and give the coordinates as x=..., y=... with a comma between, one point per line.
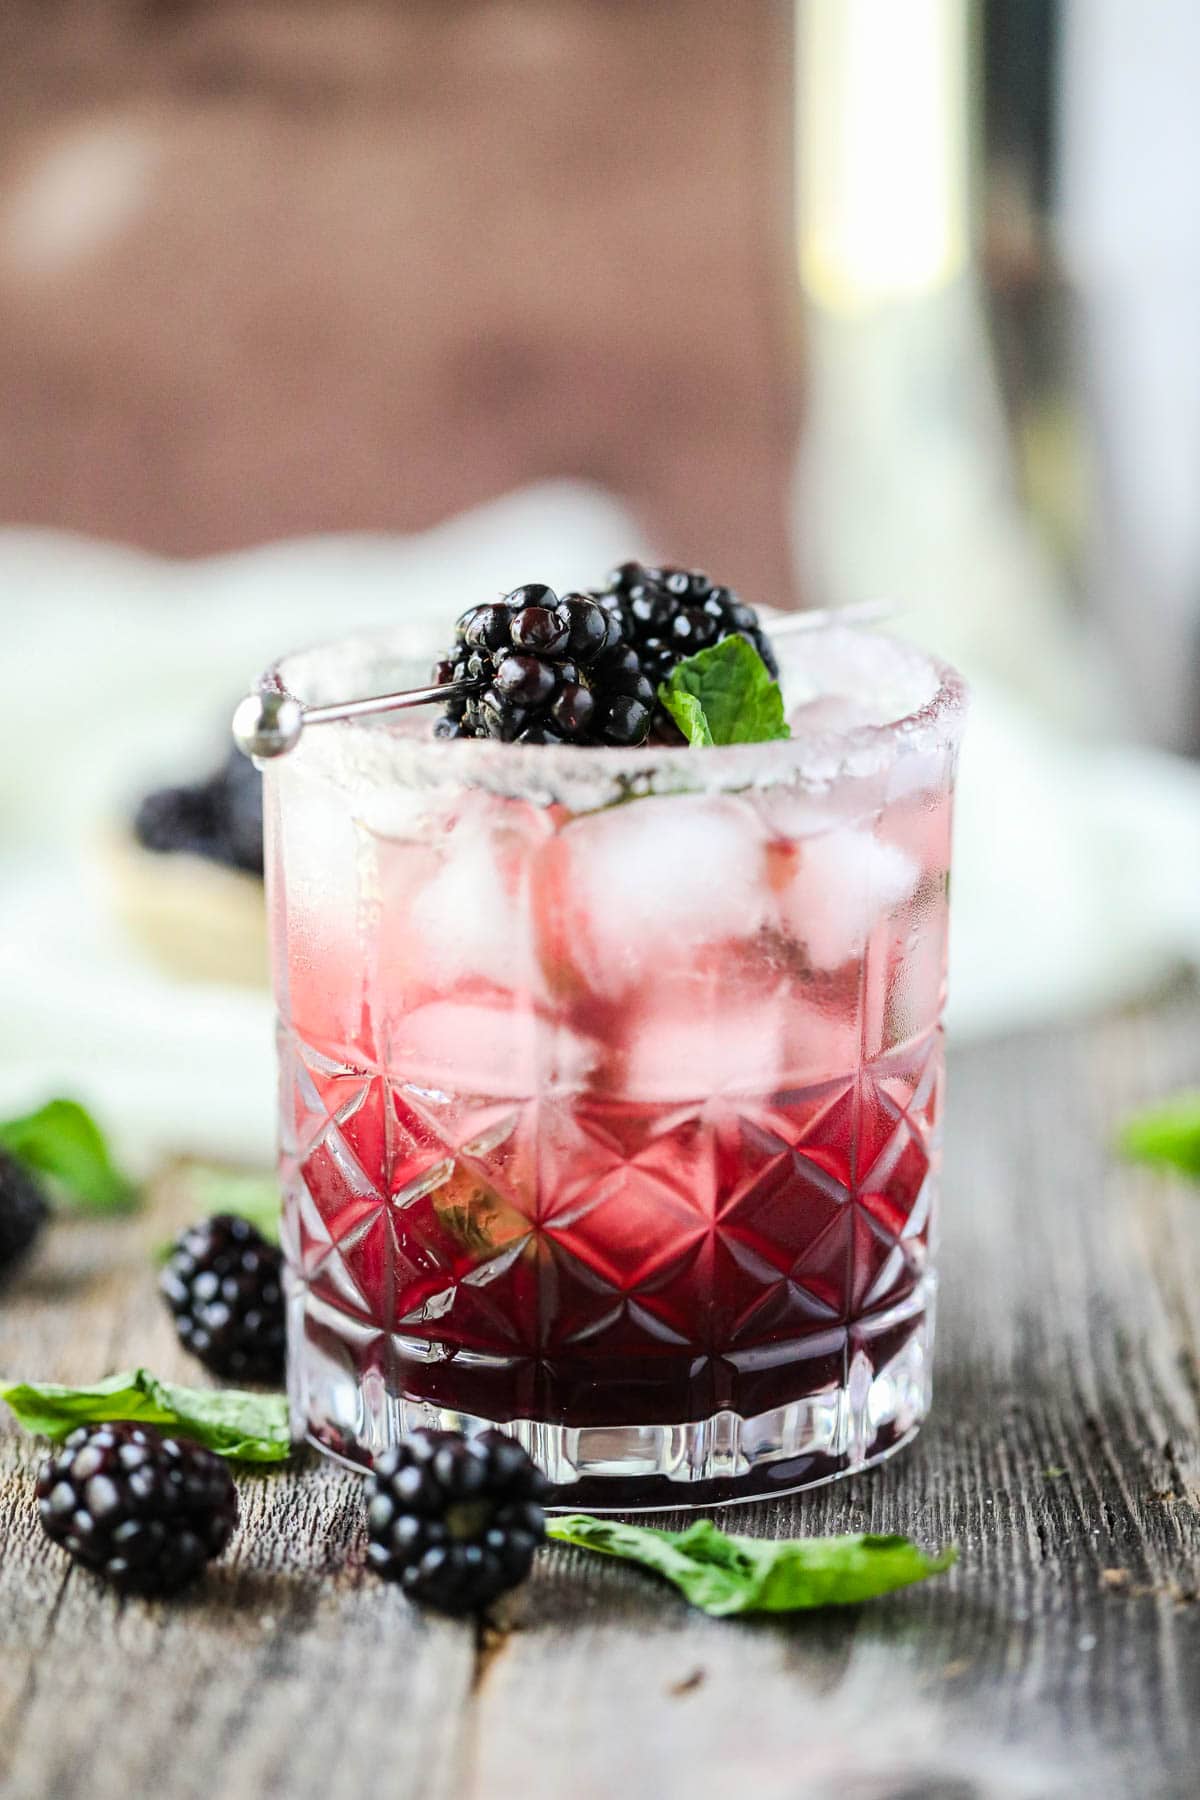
x=223, y=1283
x=548, y=671
x=23, y=1210
x=454, y=1520
x=143, y=1510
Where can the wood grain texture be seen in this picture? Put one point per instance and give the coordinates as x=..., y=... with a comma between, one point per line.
x=1061, y=1657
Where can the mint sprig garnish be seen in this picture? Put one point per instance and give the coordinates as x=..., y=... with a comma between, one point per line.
x=724, y=1575
x=725, y=695
x=1168, y=1134
x=63, y=1142
x=247, y=1427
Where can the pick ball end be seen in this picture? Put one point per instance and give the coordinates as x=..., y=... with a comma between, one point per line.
x=267, y=725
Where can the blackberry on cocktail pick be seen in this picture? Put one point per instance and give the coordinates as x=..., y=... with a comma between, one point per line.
x=549, y=671
x=23, y=1210
x=667, y=614
x=454, y=1520
x=144, y=1510
x=224, y=1285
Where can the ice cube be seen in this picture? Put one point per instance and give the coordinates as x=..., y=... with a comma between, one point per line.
x=467, y=1046
x=791, y=813
x=820, y=1040
x=673, y=1056
x=400, y=814
x=505, y=1051
x=645, y=885
x=471, y=919
x=924, y=772
x=465, y=921
x=844, y=883
x=317, y=849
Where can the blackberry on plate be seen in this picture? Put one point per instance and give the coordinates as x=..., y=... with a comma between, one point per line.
x=220, y=819
x=549, y=671
x=224, y=1285
x=455, y=1520
x=146, y=1511
x=23, y=1210
x=667, y=614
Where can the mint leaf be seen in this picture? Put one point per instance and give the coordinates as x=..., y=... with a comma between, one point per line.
x=62, y=1140
x=1169, y=1134
x=724, y=1575
x=247, y=1427
x=688, y=714
x=725, y=695
x=252, y=1197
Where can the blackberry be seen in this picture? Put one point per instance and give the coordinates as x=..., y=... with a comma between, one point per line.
x=550, y=671
x=221, y=818
x=23, y=1210
x=146, y=1511
x=240, y=809
x=455, y=1520
x=667, y=614
x=177, y=818
x=224, y=1284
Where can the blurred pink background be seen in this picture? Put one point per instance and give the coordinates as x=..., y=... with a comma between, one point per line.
x=269, y=269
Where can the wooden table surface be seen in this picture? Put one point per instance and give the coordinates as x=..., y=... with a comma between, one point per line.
x=1062, y=1655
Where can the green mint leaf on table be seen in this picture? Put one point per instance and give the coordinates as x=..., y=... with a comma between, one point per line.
x=63, y=1142
x=1169, y=1134
x=250, y=1196
x=247, y=1427
x=723, y=1575
x=725, y=695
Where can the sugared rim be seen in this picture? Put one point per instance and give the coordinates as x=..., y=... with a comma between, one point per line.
x=372, y=751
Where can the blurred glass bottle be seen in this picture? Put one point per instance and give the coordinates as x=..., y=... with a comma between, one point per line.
x=1129, y=234
x=943, y=459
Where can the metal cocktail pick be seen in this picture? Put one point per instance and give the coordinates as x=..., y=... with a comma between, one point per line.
x=271, y=724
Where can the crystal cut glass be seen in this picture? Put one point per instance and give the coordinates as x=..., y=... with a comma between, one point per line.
x=611, y=1080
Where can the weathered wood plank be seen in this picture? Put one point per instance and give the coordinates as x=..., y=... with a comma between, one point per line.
x=1061, y=1657
x=290, y=1671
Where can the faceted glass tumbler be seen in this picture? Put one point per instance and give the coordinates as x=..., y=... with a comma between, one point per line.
x=610, y=1080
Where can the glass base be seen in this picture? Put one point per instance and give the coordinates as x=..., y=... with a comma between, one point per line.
x=598, y=1468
